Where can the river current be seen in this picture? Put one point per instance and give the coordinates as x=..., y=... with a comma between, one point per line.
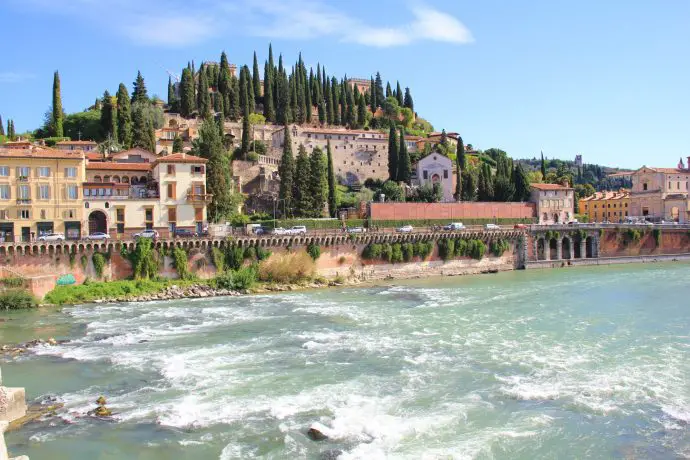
x=574, y=363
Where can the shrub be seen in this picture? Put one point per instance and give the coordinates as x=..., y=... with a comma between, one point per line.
x=181, y=263
x=407, y=251
x=372, y=251
x=287, y=268
x=657, y=236
x=12, y=282
x=143, y=259
x=116, y=290
x=446, y=248
x=244, y=278
x=341, y=260
x=423, y=249
x=460, y=247
x=499, y=246
x=84, y=261
x=396, y=253
x=235, y=257
x=632, y=235
x=98, y=260
x=476, y=249
x=314, y=251
x=262, y=254
x=250, y=252
x=16, y=299
x=386, y=252
x=218, y=259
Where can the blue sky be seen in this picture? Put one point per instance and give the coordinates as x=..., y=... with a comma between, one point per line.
x=609, y=80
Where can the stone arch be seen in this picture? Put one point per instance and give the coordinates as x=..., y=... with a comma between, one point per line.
x=567, y=246
x=589, y=247
x=98, y=222
x=553, y=248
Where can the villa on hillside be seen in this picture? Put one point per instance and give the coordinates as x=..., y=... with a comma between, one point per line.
x=555, y=203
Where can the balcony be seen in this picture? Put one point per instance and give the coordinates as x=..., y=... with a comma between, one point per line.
x=199, y=197
x=21, y=201
x=22, y=178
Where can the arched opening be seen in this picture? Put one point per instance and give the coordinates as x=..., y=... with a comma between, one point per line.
x=589, y=247
x=553, y=249
x=125, y=179
x=577, y=254
x=97, y=179
x=116, y=179
x=541, y=249
x=545, y=217
x=566, y=248
x=555, y=217
x=98, y=222
x=106, y=178
x=135, y=181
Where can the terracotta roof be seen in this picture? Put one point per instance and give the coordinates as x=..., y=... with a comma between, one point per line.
x=10, y=143
x=550, y=187
x=664, y=170
x=180, y=158
x=94, y=156
x=76, y=143
x=36, y=152
x=109, y=165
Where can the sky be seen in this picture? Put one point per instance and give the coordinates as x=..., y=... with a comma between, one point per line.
x=606, y=79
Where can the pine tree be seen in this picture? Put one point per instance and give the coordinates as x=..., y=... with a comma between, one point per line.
x=256, y=79
x=379, y=89
x=460, y=166
x=109, y=117
x=124, y=117
x=543, y=167
x=282, y=108
x=392, y=154
x=335, y=95
x=332, y=197
x=372, y=96
x=2, y=127
x=171, y=92
x=203, y=102
x=178, y=145
x=245, y=121
x=404, y=161
x=408, y=100
x=141, y=136
x=218, y=172
x=521, y=184
x=187, y=102
x=361, y=111
x=389, y=91
x=485, y=189
x=286, y=171
x=234, y=99
x=139, y=93
x=302, y=199
x=57, y=118
x=399, y=95
x=469, y=185
x=318, y=182
x=269, y=108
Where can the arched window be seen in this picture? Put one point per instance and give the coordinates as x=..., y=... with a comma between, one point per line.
x=97, y=179
x=125, y=179
x=106, y=178
x=116, y=179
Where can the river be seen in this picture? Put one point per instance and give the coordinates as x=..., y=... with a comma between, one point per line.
x=589, y=362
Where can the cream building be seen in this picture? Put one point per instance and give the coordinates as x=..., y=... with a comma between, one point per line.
x=661, y=193
x=169, y=193
x=40, y=192
x=436, y=169
x=555, y=203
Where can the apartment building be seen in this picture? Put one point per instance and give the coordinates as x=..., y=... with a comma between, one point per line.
x=606, y=206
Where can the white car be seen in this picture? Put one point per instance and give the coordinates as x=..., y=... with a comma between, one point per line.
x=298, y=230
x=98, y=236
x=146, y=234
x=52, y=237
x=404, y=229
x=454, y=226
x=279, y=231
x=492, y=227
x=356, y=230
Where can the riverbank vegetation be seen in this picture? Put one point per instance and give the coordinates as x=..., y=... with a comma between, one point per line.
x=91, y=291
x=16, y=299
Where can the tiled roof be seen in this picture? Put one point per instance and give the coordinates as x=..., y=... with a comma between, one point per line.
x=550, y=187
x=36, y=152
x=109, y=165
x=94, y=156
x=76, y=143
x=180, y=158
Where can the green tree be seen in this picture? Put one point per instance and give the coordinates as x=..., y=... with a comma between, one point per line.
x=504, y=190
x=404, y=162
x=378, y=89
x=282, y=108
x=543, y=166
x=392, y=154
x=84, y=125
x=139, y=93
x=460, y=165
x=256, y=78
x=391, y=109
x=2, y=127
x=485, y=187
x=234, y=99
x=332, y=197
x=318, y=182
x=301, y=189
x=218, y=172
x=407, y=101
x=57, y=119
x=392, y=191
x=142, y=128
x=372, y=96
x=399, y=95
x=521, y=183
x=178, y=145
x=245, y=122
x=124, y=117
x=361, y=112
x=203, y=96
x=187, y=103
x=171, y=93
x=286, y=171
x=469, y=185
x=109, y=117
x=269, y=109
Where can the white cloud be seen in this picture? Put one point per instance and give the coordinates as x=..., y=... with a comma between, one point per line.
x=15, y=77
x=170, y=31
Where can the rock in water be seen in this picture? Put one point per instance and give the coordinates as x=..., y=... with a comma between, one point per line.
x=318, y=432
x=331, y=454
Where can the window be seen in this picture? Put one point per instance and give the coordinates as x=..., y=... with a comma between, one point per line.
x=24, y=214
x=678, y=185
x=24, y=192
x=425, y=174
x=148, y=217
x=172, y=219
x=171, y=190
x=197, y=169
x=171, y=170
x=644, y=186
x=23, y=172
x=669, y=184
x=43, y=214
x=445, y=174
x=43, y=171
x=44, y=192
x=5, y=192
x=87, y=192
x=72, y=192
x=4, y=171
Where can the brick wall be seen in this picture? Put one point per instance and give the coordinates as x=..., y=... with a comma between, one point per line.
x=451, y=211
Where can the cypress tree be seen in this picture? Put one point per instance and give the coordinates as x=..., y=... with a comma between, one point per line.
x=2, y=127
x=187, y=103
x=485, y=189
x=171, y=92
x=307, y=93
x=372, y=96
x=251, y=97
x=404, y=161
x=218, y=172
x=301, y=184
x=328, y=94
x=301, y=102
x=351, y=114
x=139, y=93
x=178, y=145
x=269, y=109
x=322, y=109
x=336, y=101
x=124, y=117
x=57, y=119
x=379, y=89
x=318, y=182
x=389, y=91
x=392, y=153
x=140, y=128
x=543, y=167
x=109, y=117
x=469, y=185
x=521, y=183
x=460, y=166
x=245, y=122
x=244, y=94
x=225, y=83
x=203, y=96
x=361, y=111
x=332, y=198
x=286, y=171
x=408, y=102
x=13, y=133
x=282, y=115
x=234, y=99
x=256, y=79
x=399, y=94
x=342, y=97
x=292, y=106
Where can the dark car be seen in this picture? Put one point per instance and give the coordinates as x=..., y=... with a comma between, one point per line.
x=184, y=233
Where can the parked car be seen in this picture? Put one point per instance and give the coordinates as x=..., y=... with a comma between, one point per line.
x=492, y=227
x=298, y=230
x=279, y=231
x=573, y=222
x=184, y=233
x=356, y=230
x=520, y=226
x=98, y=236
x=153, y=234
x=454, y=226
x=261, y=231
x=52, y=237
x=405, y=229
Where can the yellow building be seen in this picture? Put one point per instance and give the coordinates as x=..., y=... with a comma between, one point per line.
x=606, y=206
x=40, y=192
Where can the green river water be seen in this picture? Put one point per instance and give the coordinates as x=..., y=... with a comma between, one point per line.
x=547, y=364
